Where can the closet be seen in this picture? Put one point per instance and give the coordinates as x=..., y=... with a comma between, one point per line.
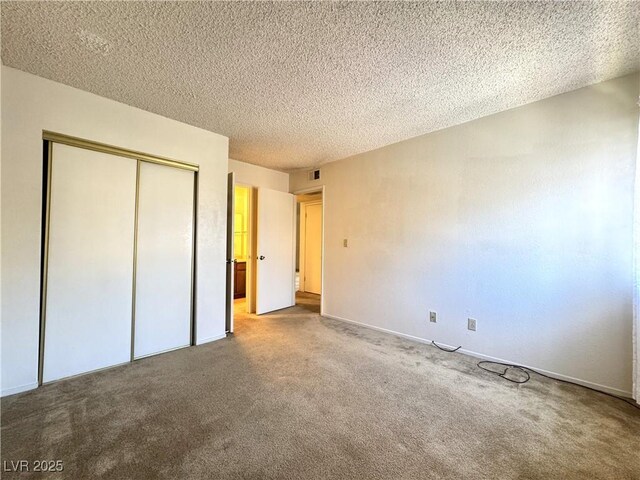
x=118, y=256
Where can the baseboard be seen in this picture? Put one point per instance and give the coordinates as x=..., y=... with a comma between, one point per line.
x=559, y=376
x=22, y=388
x=211, y=339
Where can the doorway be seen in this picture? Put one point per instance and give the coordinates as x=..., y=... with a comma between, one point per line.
x=309, y=246
x=261, y=254
x=241, y=248
x=241, y=260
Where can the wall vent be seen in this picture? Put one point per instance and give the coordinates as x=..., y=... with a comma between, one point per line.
x=314, y=175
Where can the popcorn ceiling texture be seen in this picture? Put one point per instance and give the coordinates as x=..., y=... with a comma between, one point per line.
x=297, y=84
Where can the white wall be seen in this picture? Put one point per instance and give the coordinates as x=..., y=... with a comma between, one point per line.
x=522, y=220
x=30, y=105
x=636, y=277
x=256, y=176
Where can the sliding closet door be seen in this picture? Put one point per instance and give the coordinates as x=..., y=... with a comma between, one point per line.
x=164, y=259
x=90, y=262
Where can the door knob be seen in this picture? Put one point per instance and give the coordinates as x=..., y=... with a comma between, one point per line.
x=261, y=257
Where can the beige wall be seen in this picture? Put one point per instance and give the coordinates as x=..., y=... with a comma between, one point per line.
x=248, y=174
x=521, y=220
x=32, y=104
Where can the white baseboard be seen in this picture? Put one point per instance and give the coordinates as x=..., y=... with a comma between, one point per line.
x=211, y=339
x=559, y=376
x=22, y=388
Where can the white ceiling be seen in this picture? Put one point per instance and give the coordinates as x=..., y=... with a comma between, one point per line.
x=298, y=84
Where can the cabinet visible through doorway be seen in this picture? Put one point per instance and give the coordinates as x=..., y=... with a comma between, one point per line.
x=240, y=280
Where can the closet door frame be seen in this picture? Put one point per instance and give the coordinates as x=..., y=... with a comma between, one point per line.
x=49, y=138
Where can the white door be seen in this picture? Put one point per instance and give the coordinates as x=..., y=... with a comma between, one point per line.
x=90, y=262
x=313, y=248
x=231, y=209
x=276, y=251
x=163, y=294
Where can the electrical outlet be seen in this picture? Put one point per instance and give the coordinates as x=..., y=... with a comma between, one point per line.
x=345, y=243
x=471, y=324
x=432, y=317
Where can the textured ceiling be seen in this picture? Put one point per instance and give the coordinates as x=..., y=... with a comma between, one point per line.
x=298, y=84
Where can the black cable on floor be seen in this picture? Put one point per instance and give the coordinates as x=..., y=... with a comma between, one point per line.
x=446, y=349
x=503, y=374
x=526, y=371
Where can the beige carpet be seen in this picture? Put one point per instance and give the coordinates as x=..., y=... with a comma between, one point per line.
x=293, y=395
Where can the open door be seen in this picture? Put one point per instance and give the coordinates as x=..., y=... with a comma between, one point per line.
x=276, y=251
x=230, y=254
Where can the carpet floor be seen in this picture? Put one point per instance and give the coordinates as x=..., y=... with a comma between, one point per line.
x=292, y=395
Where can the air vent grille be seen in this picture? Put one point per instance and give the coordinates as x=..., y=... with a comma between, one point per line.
x=314, y=175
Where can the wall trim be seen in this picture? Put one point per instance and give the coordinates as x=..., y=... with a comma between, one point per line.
x=636, y=274
x=595, y=386
x=114, y=150
x=19, y=389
